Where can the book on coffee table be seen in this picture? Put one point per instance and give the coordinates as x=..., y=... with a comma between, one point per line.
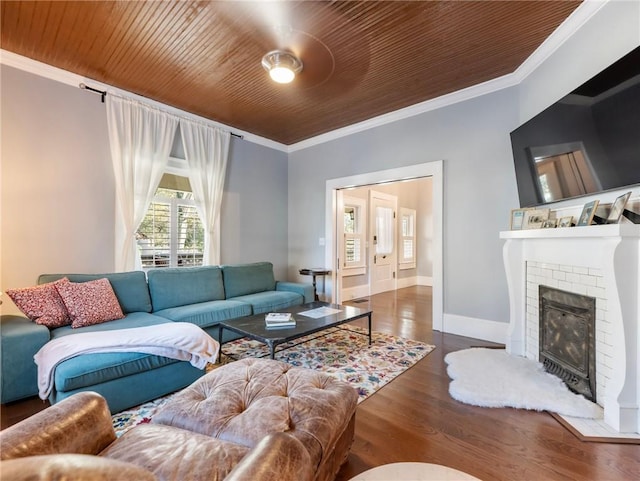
x=275, y=320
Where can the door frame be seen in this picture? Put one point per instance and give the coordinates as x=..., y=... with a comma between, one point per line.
x=429, y=169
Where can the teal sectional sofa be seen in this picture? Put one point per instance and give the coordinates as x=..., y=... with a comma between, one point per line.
x=203, y=296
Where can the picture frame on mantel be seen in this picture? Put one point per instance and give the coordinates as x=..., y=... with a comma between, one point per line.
x=588, y=211
x=617, y=208
x=566, y=221
x=517, y=218
x=534, y=218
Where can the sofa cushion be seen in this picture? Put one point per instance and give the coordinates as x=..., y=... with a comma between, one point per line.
x=89, y=303
x=91, y=369
x=271, y=301
x=242, y=279
x=174, y=454
x=135, y=319
x=180, y=286
x=130, y=287
x=207, y=314
x=42, y=304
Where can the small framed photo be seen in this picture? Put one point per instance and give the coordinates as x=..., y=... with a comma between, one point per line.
x=618, y=208
x=588, y=211
x=533, y=218
x=549, y=224
x=517, y=218
x=566, y=221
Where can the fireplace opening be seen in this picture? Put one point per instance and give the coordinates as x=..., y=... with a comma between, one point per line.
x=567, y=338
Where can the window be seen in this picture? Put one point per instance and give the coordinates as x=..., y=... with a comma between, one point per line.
x=354, y=232
x=171, y=234
x=408, y=239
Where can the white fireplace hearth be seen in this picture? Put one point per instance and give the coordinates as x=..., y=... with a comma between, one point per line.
x=602, y=262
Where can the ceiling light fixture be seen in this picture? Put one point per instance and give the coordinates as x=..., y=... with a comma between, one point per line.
x=282, y=66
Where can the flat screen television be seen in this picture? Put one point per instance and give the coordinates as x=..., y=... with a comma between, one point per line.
x=587, y=142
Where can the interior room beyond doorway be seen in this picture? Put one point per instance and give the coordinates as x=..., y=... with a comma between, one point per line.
x=384, y=237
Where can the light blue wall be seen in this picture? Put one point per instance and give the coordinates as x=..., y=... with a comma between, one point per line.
x=472, y=138
x=57, y=195
x=607, y=36
x=254, y=219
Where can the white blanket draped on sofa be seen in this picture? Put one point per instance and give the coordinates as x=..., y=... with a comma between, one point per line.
x=176, y=340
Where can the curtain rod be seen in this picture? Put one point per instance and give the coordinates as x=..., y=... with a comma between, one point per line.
x=103, y=94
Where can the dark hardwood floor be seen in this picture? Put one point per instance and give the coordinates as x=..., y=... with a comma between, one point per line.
x=413, y=418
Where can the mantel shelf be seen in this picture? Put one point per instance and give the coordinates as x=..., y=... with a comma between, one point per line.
x=609, y=230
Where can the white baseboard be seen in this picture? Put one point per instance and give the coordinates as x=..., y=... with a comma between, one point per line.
x=406, y=282
x=491, y=331
x=356, y=292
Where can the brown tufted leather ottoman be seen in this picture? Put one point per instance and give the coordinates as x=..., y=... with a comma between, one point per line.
x=243, y=401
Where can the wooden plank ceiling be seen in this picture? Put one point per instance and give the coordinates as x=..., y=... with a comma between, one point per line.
x=361, y=58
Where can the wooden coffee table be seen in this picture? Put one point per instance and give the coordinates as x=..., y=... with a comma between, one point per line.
x=324, y=317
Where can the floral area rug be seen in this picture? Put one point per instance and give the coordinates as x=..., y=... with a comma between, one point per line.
x=343, y=352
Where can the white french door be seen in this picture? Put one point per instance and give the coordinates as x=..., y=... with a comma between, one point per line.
x=383, y=255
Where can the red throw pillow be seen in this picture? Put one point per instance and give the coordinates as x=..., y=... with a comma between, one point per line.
x=89, y=303
x=42, y=304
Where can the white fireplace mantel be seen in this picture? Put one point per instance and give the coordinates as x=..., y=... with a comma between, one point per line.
x=613, y=250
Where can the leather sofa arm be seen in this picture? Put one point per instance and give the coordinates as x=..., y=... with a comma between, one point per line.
x=79, y=424
x=277, y=457
x=72, y=467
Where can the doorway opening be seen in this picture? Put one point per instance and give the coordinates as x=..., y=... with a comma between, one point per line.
x=433, y=170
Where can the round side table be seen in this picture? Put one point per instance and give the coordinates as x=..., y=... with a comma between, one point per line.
x=413, y=472
x=313, y=272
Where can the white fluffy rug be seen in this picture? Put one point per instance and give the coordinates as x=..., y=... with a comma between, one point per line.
x=493, y=378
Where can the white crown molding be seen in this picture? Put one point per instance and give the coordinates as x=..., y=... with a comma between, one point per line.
x=69, y=78
x=571, y=25
x=411, y=111
x=580, y=16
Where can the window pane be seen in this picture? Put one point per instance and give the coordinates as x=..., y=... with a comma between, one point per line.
x=171, y=233
x=349, y=220
x=407, y=225
x=407, y=249
x=384, y=230
x=352, y=250
x=154, y=236
x=190, y=237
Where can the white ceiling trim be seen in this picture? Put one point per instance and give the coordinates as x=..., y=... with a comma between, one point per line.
x=566, y=29
x=411, y=111
x=74, y=80
x=571, y=25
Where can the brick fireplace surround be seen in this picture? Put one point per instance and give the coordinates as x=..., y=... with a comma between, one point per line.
x=600, y=261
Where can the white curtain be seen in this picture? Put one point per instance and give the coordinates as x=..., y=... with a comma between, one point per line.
x=140, y=138
x=207, y=151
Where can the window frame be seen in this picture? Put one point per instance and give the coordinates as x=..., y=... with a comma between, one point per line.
x=407, y=262
x=178, y=167
x=353, y=268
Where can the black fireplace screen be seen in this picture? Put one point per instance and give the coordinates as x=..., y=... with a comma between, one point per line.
x=567, y=338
